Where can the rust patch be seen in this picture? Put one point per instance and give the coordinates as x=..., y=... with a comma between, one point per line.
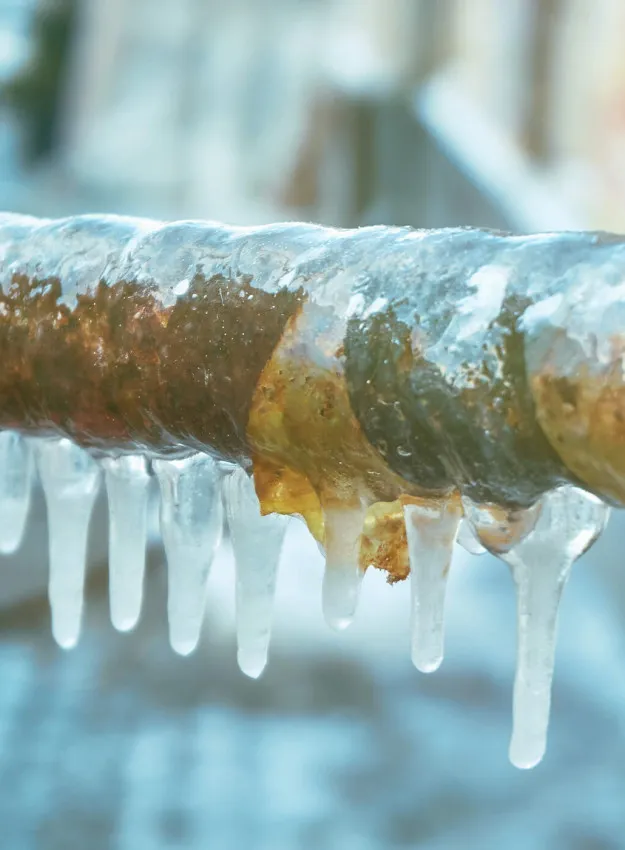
x=121, y=368
x=583, y=417
x=384, y=544
x=309, y=449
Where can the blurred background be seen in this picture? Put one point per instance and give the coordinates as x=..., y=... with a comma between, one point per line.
x=422, y=112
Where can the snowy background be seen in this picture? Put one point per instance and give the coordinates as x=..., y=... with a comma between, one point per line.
x=251, y=112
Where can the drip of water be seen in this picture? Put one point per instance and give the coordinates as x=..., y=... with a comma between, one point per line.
x=127, y=487
x=343, y=575
x=569, y=523
x=468, y=539
x=191, y=527
x=431, y=529
x=16, y=468
x=497, y=528
x=257, y=544
x=70, y=479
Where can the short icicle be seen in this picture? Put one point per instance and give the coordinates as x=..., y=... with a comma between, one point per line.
x=431, y=529
x=127, y=487
x=70, y=479
x=257, y=545
x=191, y=527
x=342, y=578
x=16, y=469
x=569, y=523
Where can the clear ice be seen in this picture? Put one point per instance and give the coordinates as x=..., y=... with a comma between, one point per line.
x=431, y=530
x=191, y=527
x=342, y=577
x=16, y=468
x=70, y=479
x=257, y=544
x=569, y=522
x=127, y=487
x=467, y=538
x=499, y=529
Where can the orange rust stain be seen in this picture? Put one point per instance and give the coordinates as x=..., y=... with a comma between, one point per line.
x=583, y=417
x=383, y=544
x=309, y=451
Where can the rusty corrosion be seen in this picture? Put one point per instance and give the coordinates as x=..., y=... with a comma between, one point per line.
x=353, y=370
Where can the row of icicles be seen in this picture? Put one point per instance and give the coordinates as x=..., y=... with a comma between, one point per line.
x=541, y=549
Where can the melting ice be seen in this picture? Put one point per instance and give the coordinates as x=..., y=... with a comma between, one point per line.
x=570, y=521
x=257, y=544
x=70, y=479
x=191, y=527
x=343, y=576
x=431, y=530
x=540, y=546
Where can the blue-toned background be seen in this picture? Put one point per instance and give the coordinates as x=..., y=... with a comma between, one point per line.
x=394, y=111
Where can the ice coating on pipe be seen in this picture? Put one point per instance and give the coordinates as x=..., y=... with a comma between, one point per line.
x=403, y=363
x=16, y=468
x=431, y=530
x=70, y=479
x=257, y=545
x=191, y=526
x=127, y=488
x=570, y=521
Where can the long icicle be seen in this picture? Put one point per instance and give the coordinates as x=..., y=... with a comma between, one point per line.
x=127, y=487
x=16, y=469
x=570, y=521
x=257, y=544
x=191, y=526
x=431, y=529
x=70, y=479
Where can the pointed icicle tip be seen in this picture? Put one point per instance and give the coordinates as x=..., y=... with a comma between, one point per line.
x=127, y=487
x=431, y=529
x=70, y=479
x=257, y=545
x=191, y=527
x=498, y=528
x=251, y=663
x=570, y=521
x=342, y=578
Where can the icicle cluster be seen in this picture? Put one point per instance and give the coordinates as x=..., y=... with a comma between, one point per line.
x=539, y=545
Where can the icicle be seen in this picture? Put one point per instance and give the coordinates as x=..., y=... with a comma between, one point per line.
x=343, y=575
x=257, y=543
x=127, y=482
x=16, y=467
x=431, y=530
x=570, y=521
x=191, y=526
x=467, y=538
x=70, y=479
